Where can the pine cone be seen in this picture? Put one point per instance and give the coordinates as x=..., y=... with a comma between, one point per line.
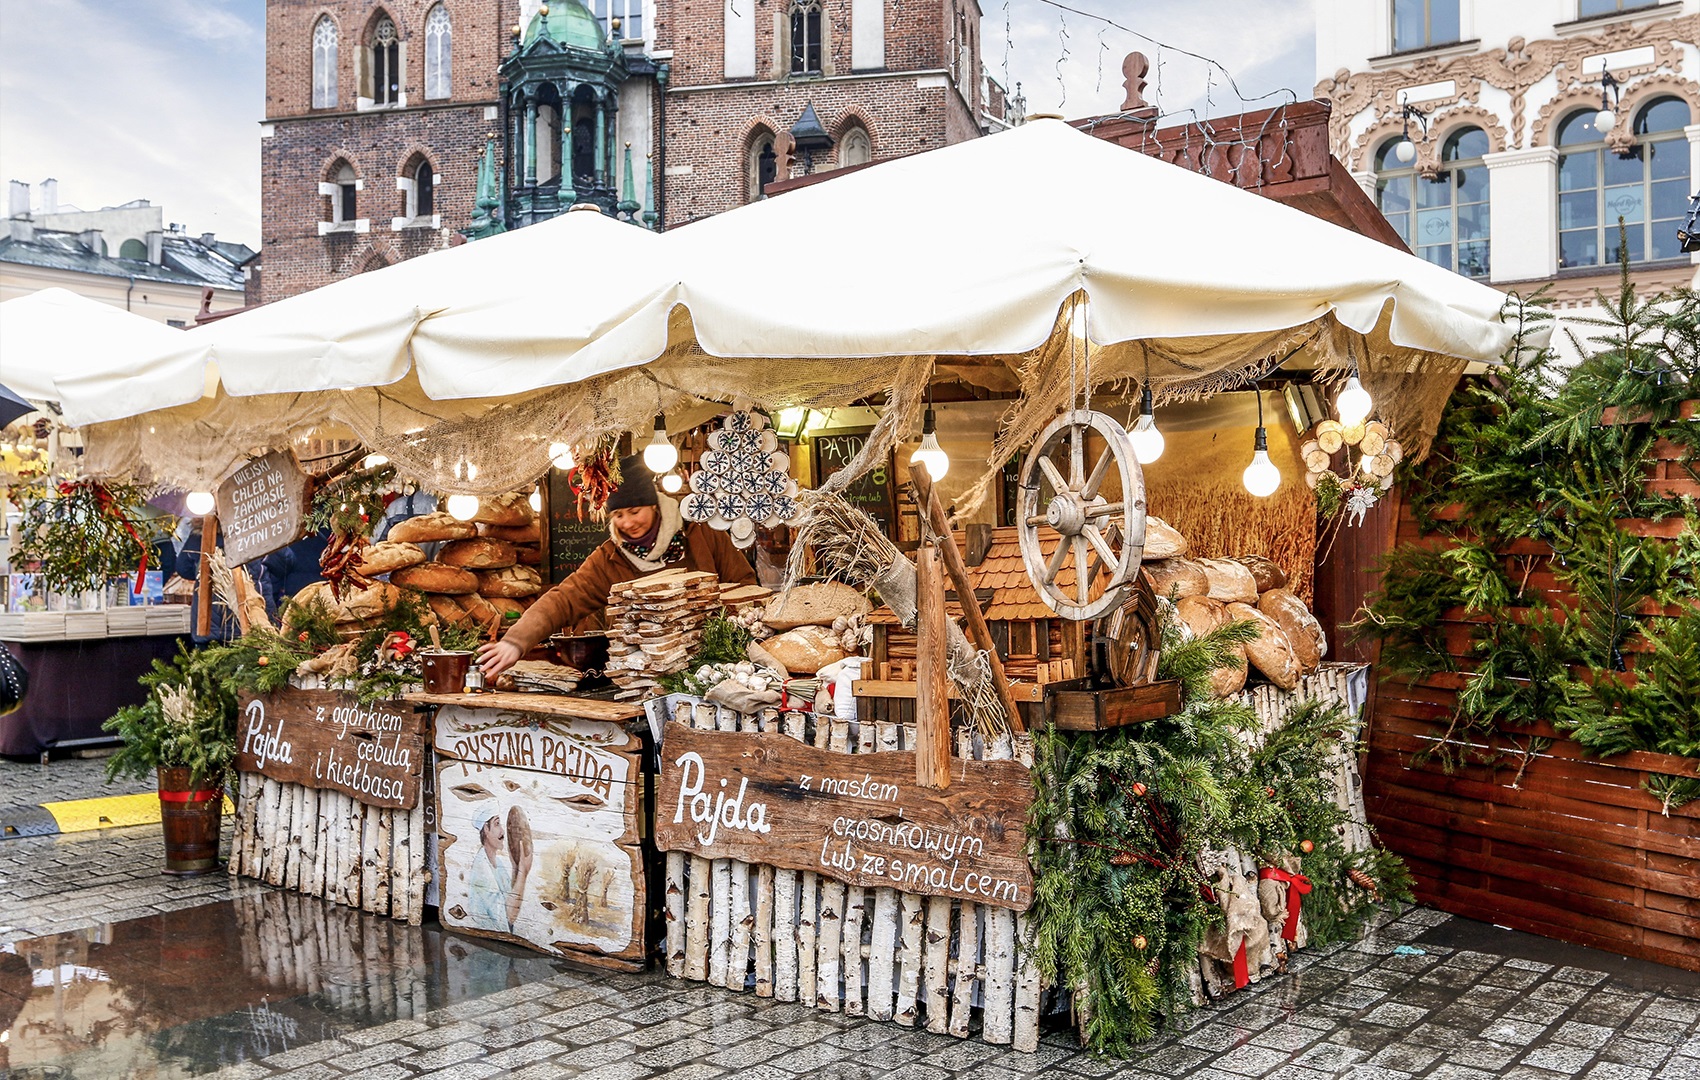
x=1364, y=881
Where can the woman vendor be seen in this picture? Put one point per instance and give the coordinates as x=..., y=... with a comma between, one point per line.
x=645, y=535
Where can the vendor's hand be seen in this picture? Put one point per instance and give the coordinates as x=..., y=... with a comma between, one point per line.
x=495, y=658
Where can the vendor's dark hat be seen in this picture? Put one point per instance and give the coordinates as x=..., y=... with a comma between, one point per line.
x=637, y=485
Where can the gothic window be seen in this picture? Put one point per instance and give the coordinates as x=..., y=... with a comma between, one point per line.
x=422, y=193
x=1647, y=188
x=1589, y=8
x=385, y=53
x=854, y=148
x=438, y=37
x=628, y=12
x=1444, y=220
x=805, y=39
x=324, y=64
x=345, y=203
x=761, y=166
x=1419, y=24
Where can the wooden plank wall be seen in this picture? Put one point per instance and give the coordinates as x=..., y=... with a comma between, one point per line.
x=1573, y=848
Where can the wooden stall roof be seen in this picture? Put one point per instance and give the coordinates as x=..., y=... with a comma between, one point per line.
x=1003, y=575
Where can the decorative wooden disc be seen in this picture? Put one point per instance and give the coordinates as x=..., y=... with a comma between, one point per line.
x=1380, y=466
x=1353, y=435
x=1315, y=459
x=1372, y=443
x=1328, y=436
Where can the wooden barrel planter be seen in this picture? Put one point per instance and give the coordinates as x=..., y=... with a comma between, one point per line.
x=191, y=811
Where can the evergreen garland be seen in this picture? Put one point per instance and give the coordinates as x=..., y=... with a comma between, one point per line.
x=83, y=533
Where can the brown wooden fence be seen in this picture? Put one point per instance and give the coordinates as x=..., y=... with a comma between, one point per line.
x=1558, y=843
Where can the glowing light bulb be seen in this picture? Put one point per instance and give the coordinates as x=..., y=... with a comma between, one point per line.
x=200, y=503
x=535, y=500
x=561, y=456
x=1604, y=121
x=1405, y=150
x=929, y=453
x=372, y=461
x=462, y=507
x=660, y=455
x=1353, y=404
x=672, y=483
x=1146, y=439
x=1261, y=477
x=1080, y=319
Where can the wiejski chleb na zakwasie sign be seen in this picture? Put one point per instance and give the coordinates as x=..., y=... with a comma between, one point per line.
x=856, y=818
x=328, y=740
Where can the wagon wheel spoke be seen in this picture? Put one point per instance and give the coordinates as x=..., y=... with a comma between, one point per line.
x=1104, y=510
x=1076, y=458
x=1054, y=565
x=1096, y=480
x=1083, y=579
x=1058, y=485
x=1100, y=545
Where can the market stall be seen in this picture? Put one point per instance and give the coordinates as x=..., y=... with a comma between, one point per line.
x=1076, y=765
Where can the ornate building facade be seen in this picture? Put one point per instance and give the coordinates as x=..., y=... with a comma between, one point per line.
x=1478, y=128
x=381, y=113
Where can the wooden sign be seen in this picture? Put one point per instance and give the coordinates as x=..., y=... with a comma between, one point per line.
x=261, y=505
x=860, y=819
x=326, y=739
x=572, y=535
x=538, y=832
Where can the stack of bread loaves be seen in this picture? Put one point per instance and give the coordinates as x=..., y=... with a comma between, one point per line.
x=1210, y=593
x=818, y=625
x=655, y=623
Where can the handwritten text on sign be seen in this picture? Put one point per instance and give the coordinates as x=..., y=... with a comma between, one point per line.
x=592, y=756
x=857, y=818
x=259, y=506
x=328, y=740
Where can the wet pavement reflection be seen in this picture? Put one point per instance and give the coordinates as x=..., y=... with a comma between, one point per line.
x=192, y=991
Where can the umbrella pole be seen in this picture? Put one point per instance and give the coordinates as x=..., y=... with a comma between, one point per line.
x=203, y=590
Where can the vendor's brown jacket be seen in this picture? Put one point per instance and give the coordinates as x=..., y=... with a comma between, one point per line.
x=585, y=593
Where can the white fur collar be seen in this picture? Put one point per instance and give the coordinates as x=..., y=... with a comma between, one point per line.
x=669, y=528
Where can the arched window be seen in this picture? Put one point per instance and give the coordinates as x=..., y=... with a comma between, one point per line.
x=761, y=164
x=438, y=37
x=1444, y=220
x=385, y=68
x=805, y=39
x=132, y=249
x=1646, y=188
x=324, y=64
x=854, y=148
x=345, y=200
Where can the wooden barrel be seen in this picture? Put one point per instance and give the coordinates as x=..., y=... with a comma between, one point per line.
x=190, y=811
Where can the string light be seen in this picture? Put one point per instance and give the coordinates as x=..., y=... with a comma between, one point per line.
x=672, y=483
x=200, y=503
x=463, y=507
x=1353, y=404
x=372, y=461
x=535, y=500
x=930, y=454
x=1261, y=477
x=1146, y=439
x=561, y=456
x=660, y=455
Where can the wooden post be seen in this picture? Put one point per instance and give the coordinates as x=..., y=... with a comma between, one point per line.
x=932, y=685
x=203, y=593
x=978, y=631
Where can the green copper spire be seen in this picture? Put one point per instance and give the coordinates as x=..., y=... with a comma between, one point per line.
x=487, y=218
x=628, y=191
x=650, y=217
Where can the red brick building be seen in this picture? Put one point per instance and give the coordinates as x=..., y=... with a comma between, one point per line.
x=377, y=111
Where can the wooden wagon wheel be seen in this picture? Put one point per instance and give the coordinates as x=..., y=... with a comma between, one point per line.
x=1057, y=489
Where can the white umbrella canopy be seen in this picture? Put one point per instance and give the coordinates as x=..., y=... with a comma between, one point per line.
x=508, y=314
x=55, y=332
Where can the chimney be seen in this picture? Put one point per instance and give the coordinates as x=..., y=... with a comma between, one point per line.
x=156, y=247
x=91, y=239
x=22, y=228
x=18, y=200
x=207, y=239
x=50, y=196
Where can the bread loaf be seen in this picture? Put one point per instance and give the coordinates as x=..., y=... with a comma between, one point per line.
x=528, y=555
x=429, y=527
x=481, y=553
x=1229, y=679
x=511, y=510
x=436, y=577
x=365, y=605
x=513, y=534
x=1303, y=632
x=447, y=609
x=507, y=608
x=1230, y=582
x=1161, y=540
x=389, y=555
x=814, y=605
x=806, y=649
x=479, y=611
x=512, y=581
x=1263, y=571
x=1200, y=614
x=1177, y=577
x=1270, y=652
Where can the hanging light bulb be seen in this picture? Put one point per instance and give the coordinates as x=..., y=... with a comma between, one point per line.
x=535, y=500
x=1080, y=319
x=660, y=455
x=672, y=483
x=561, y=456
x=372, y=461
x=1146, y=439
x=200, y=503
x=462, y=507
x=929, y=453
x=1405, y=150
x=1606, y=119
x=1261, y=477
x=1353, y=404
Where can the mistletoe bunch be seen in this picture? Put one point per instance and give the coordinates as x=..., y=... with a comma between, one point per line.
x=84, y=532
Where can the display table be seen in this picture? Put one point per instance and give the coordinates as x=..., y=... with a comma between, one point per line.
x=75, y=685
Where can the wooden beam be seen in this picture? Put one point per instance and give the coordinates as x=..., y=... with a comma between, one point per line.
x=203, y=594
x=932, y=692
x=978, y=632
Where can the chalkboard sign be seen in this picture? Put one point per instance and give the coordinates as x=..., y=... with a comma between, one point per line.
x=572, y=536
x=875, y=491
x=261, y=505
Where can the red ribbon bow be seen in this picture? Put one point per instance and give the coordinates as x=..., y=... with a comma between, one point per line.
x=1298, y=886
x=103, y=498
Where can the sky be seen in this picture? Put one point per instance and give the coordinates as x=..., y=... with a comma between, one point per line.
x=162, y=99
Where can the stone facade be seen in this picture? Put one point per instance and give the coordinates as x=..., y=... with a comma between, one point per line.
x=1517, y=73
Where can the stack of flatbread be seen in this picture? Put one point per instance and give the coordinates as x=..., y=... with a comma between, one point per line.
x=655, y=624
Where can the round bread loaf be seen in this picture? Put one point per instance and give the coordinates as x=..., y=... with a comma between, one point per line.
x=1161, y=540
x=507, y=607
x=447, y=609
x=1200, y=614
x=1230, y=582
x=511, y=510
x=436, y=577
x=512, y=581
x=479, y=611
x=805, y=649
x=1177, y=577
x=1270, y=652
x=1302, y=629
x=1229, y=679
x=513, y=534
x=364, y=605
x=1264, y=571
x=481, y=553
x=430, y=527
x=390, y=555
x=528, y=555
x=814, y=605
x=315, y=597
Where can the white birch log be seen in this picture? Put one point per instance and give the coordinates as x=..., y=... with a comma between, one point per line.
x=808, y=960
x=257, y=863
x=967, y=968
x=1028, y=985
x=785, y=903
x=743, y=908
x=401, y=852
x=673, y=917
x=913, y=918
x=418, y=874
x=309, y=839
x=296, y=796
x=883, y=933
x=277, y=833
x=997, y=1018
x=321, y=847
x=698, y=890
x=829, y=932
x=935, y=964
x=369, y=824
x=855, y=918
x=242, y=831
x=762, y=937
x=384, y=853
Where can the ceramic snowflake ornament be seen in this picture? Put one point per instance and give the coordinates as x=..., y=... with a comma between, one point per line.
x=742, y=481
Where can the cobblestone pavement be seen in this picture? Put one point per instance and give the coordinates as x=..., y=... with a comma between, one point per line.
x=1475, y=1003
